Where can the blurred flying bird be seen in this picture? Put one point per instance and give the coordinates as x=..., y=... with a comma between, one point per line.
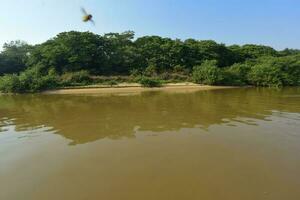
x=87, y=17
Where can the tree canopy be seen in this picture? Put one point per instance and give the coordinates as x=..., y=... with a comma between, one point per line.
x=123, y=54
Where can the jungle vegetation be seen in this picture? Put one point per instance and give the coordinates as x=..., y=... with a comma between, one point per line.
x=84, y=58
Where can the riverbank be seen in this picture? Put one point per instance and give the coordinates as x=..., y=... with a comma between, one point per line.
x=134, y=88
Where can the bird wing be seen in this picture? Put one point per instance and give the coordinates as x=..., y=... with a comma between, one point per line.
x=83, y=11
x=93, y=22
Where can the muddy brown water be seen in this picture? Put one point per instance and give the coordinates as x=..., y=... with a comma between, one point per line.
x=229, y=144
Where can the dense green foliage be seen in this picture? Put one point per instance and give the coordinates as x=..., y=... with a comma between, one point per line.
x=14, y=57
x=208, y=73
x=75, y=78
x=81, y=58
x=31, y=80
x=284, y=71
x=236, y=75
x=150, y=82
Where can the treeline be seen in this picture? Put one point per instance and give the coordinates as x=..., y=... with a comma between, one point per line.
x=74, y=58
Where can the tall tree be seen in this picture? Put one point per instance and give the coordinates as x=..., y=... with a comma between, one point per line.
x=14, y=56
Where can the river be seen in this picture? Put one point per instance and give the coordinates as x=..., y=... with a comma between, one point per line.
x=229, y=144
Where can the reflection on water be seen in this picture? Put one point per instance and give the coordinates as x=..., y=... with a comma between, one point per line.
x=228, y=144
x=85, y=119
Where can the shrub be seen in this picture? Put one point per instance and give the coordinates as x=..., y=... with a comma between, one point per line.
x=237, y=74
x=266, y=75
x=208, y=73
x=180, y=69
x=151, y=70
x=49, y=81
x=276, y=72
x=111, y=83
x=165, y=76
x=10, y=83
x=173, y=77
x=111, y=79
x=31, y=80
x=76, y=78
x=291, y=69
x=150, y=82
x=135, y=72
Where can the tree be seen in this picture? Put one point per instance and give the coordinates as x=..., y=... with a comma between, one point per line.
x=72, y=51
x=209, y=50
x=237, y=74
x=208, y=73
x=120, y=52
x=76, y=57
x=251, y=51
x=154, y=51
x=289, y=52
x=13, y=57
x=276, y=71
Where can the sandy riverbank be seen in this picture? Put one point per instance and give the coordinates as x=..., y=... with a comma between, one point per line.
x=133, y=88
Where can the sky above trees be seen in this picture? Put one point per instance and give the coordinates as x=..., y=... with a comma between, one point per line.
x=269, y=22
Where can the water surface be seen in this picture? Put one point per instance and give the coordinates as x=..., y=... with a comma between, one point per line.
x=229, y=144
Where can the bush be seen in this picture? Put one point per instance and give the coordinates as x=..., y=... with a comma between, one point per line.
x=135, y=72
x=111, y=83
x=179, y=69
x=237, y=74
x=31, y=80
x=276, y=72
x=291, y=69
x=10, y=83
x=107, y=80
x=173, y=77
x=151, y=70
x=266, y=75
x=208, y=73
x=76, y=78
x=150, y=82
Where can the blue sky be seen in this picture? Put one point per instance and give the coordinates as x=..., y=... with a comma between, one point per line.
x=269, y=22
